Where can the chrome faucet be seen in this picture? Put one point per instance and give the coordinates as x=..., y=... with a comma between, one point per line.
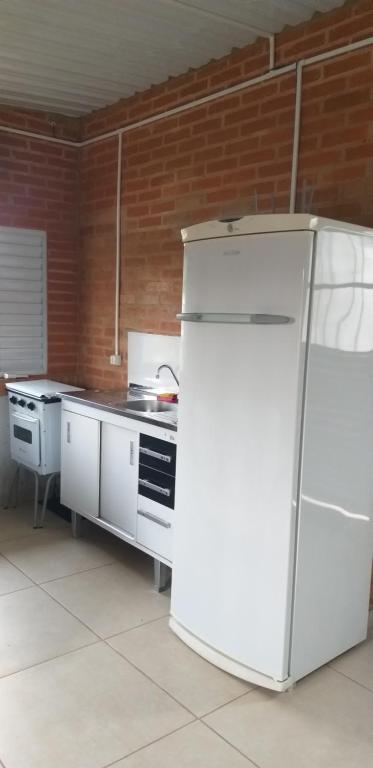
x=164, y=365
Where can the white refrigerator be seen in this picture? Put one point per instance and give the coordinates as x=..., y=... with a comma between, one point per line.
x=273, y=532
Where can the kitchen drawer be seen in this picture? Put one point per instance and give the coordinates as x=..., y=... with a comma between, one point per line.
x=154, y=534
x=157, y=486
x=158, y=454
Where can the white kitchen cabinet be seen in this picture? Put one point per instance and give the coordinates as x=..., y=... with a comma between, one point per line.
x=80, y=463
x=119, y=477
x=100, y=478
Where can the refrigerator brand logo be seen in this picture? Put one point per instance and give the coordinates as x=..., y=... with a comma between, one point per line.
x=231, y=253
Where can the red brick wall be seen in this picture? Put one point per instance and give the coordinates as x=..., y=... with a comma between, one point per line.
x=205, y=163
x=38, y=189
x=210, y=161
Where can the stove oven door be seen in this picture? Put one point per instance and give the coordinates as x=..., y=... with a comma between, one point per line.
x=25, y=439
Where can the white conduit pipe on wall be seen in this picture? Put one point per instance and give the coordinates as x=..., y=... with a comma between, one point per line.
x=278, y=72
x=116, y=360
x=296, y=138
x=350, y=47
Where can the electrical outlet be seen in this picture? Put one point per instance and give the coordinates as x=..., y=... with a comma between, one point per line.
x=115, y=360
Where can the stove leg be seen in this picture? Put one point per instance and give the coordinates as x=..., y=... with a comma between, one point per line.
x=162, y=576
x=45, y=499
x=13, y=489
x=76, y=524
x=36, y=499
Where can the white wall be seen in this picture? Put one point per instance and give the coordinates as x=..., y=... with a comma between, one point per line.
x=146, y=351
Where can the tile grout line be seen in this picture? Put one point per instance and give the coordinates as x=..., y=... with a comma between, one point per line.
x=195, y=718
x=351, y=679
x=76, y=573
x=13, y=592
x=45, y=661
x=251, y=762
x=144, y=674
x=155, y=741
x=57, y=578
x=36, y=584
x=167, y=735
x=75, y=616
x=221, y=706
x=136, y=626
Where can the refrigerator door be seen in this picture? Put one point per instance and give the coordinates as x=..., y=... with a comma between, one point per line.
x=238, y=440
x=334, y=553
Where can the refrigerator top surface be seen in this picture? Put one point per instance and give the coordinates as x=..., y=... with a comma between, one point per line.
x=263, y=223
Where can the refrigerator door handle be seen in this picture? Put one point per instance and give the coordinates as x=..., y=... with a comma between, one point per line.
x=238, y=318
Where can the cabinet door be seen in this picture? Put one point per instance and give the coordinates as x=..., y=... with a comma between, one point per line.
x=80, y=463
x=119, y=477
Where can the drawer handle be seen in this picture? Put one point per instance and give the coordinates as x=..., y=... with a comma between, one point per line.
x=153, y=487
x=156, y=455
x=154, y=518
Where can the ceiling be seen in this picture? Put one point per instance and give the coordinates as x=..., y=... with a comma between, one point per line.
x=74, y=56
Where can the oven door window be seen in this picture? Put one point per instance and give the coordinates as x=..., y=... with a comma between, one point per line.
x=25, y=439
x=22, y=434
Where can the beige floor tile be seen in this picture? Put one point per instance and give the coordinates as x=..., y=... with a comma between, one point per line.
x=193, y=681
x=326, y=722
x=34, y=628
x=18, y=522
x=83, y=710
x=11, y=578
x=111, y=599
x=194, y=746
x=54, y=554
x=357, y=663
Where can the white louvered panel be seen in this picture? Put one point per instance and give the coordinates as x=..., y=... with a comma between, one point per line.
x=22, y=301
x=15, y=320
x=8, y=308
x=16, y=273
x=12, y=332
x=21, y=288
x=73, y=57
x=12, y=345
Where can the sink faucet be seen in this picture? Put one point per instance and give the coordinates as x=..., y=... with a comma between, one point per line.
x=164, y=365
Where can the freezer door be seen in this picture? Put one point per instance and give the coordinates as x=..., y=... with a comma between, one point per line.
x=238, y=439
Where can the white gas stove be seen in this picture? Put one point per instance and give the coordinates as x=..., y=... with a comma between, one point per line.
x=35, y=423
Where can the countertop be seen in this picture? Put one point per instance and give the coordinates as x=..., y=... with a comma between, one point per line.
x=115, y=402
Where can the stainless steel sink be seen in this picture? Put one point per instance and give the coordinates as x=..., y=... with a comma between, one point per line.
x=150, y=406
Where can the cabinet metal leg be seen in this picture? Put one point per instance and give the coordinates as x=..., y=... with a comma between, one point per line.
x=76, y=524
x=162, y=576
x=36, y=500
x=45, y=499
x=13, y=489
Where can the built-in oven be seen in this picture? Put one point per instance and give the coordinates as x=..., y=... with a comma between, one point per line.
x=157, y=470
x=25, y=438
x=156, y=497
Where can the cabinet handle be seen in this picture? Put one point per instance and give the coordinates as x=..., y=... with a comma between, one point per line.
x=132, y=453
x=68, y=432
x=156, y=455
x=154, y=518
x=153, y=487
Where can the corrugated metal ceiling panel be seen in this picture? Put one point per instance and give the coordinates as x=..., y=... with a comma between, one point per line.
x=73, y=56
